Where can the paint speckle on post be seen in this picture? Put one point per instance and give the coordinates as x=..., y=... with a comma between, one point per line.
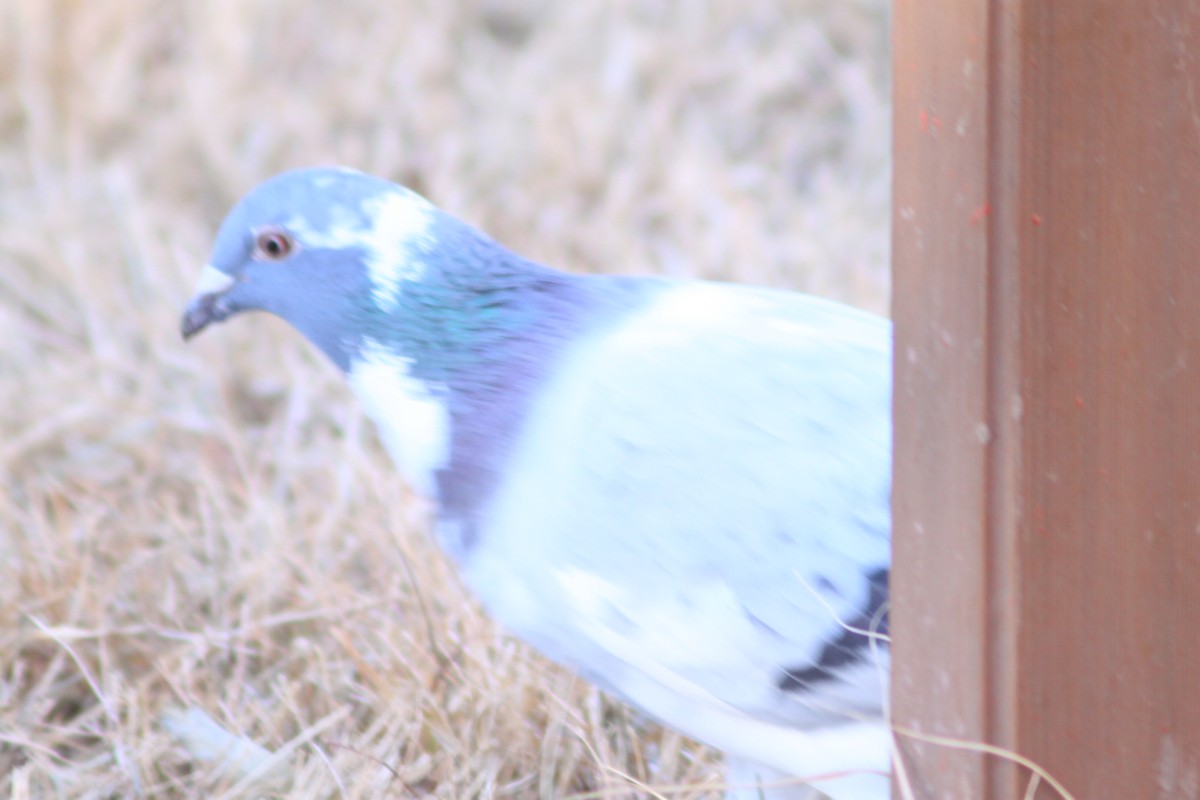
x=981, y=213
x=983, y=433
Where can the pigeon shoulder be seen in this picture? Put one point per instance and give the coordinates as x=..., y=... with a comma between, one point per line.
x=698, y=505
x=720, y=443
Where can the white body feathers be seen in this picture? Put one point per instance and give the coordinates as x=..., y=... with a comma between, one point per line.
x=693, y=508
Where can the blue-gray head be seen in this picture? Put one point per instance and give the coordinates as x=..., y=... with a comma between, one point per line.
x=317, y=247
x=443, y=333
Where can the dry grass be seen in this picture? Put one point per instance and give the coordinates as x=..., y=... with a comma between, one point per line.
x=215, y=526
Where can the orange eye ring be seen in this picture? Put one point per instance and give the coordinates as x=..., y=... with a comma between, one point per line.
x=273, y=245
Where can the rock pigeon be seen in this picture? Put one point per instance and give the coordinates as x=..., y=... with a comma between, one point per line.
x=678, y=488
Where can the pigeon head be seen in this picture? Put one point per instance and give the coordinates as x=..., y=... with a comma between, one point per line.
x=443, y=333
x=319, y=248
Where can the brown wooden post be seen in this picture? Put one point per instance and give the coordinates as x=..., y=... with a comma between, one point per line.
x=1047, y=481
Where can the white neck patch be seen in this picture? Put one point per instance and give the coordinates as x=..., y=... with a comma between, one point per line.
x=397, y=236
x=413, y=421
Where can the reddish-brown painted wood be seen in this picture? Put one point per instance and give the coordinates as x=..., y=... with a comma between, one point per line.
x=940, y=681
x=1047, y=480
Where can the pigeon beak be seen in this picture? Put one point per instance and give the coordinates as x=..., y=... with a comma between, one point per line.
x=207, y=304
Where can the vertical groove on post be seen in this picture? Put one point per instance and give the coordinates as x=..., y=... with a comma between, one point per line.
x=1003, y=399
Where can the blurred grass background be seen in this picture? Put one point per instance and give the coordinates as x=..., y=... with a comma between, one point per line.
x=215, y=526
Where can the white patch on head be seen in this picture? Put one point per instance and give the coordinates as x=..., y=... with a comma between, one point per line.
x=343, y=231
x=325, y=181
x=413, y=421
x=396, y=238
x=401, y=235
x=213, y=281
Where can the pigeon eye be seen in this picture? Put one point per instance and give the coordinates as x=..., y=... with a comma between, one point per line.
x=273, y=245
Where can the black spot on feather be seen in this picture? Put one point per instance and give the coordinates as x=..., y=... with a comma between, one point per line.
x=849, y=646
